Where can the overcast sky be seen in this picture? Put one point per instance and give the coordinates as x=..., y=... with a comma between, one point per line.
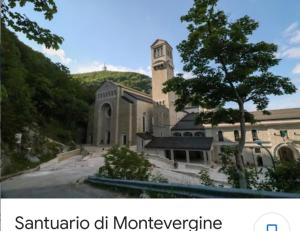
x=119, y=33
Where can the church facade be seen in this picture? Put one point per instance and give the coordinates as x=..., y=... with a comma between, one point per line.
x=124, y=116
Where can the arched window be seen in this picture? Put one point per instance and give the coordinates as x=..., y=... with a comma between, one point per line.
x=200, y=134
x=187, y=134
x=107, y=110
x=176, y=134
x=220, y=136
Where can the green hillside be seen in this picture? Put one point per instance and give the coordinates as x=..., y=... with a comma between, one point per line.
x=93, y=80
x=39, y=99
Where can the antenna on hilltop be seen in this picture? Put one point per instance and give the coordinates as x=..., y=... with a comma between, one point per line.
x=104, y=67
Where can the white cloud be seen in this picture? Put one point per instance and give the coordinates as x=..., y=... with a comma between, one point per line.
x=296, y=69
x=59, y=54
x=293, y=52
x=291, y=28
x=292, y=32
x=99, y=66
x=295, y=38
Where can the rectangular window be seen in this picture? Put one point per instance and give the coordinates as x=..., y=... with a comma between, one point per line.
x=144, y=124
x=220, y=136
x=124, y=139
x=158, y=52
x=236, y=135
x=283, y=133
x=254, y=135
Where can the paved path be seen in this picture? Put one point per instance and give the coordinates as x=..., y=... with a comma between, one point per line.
x=62, y=191
x=59, y=179
x=64, y=178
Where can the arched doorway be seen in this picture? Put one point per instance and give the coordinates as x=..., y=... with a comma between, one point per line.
x=106, y=113
x=286, y=154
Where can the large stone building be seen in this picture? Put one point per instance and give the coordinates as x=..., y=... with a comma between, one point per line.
x=124, y=116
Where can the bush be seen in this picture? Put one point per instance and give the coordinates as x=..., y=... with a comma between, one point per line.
x=285, y=178
x=205, y=178
x=122, y=163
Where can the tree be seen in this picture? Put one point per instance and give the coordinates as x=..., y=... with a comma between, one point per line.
x=21, y=23
x=122, y=163
x=227, y=68
x=285, y=178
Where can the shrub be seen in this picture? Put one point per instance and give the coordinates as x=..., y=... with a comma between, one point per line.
x=205, y=178
x=122, y=163
x=285, y=178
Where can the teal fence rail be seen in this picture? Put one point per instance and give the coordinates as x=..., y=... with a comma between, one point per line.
x=191, y=191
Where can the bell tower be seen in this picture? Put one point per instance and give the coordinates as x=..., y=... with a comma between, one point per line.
x=163, y=70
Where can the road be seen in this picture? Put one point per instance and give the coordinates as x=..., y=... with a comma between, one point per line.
x=59, y=179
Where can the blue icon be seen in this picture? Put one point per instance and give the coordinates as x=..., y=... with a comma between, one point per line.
x=272, y=227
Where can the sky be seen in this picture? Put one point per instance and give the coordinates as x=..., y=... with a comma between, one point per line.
x=118, y=33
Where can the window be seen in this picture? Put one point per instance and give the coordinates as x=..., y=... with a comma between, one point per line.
x=144, y=124
x=220, y=136
x=168, y=154
x=124, y=139
x=187, y=134
x=176, y=134
x=283, y=133
x=201, y=134
x=257, y=150
x=260, y=161
x=158, y=52
x=236, y=135
x=222, y=149
x=254, y=135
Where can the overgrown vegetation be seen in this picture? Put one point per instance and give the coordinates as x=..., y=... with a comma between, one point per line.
x=284, y=178
x=34, y=149
x=122, y=163
x=39, y=95
x=37, y=92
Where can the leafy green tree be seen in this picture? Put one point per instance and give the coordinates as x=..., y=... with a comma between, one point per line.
x=227, y=68
x=38, y=92
x=122, y=163
x=21, y=23
x=284, y=178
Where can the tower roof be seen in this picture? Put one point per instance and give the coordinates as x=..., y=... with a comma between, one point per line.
x=160, y=40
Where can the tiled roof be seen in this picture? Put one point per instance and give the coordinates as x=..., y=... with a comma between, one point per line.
x=188, y=123
x=181, y=142
x=139, y=97
x=145, y=135
x=280, y=114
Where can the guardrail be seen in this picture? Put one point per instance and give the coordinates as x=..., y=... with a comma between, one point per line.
x=191, y=191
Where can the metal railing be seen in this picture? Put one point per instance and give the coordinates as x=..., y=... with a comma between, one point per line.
x=190, y=191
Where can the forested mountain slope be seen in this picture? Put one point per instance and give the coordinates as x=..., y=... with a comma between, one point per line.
x=137, y=81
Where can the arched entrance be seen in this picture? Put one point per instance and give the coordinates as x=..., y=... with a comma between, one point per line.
x=286, y=154
x=106, y=112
